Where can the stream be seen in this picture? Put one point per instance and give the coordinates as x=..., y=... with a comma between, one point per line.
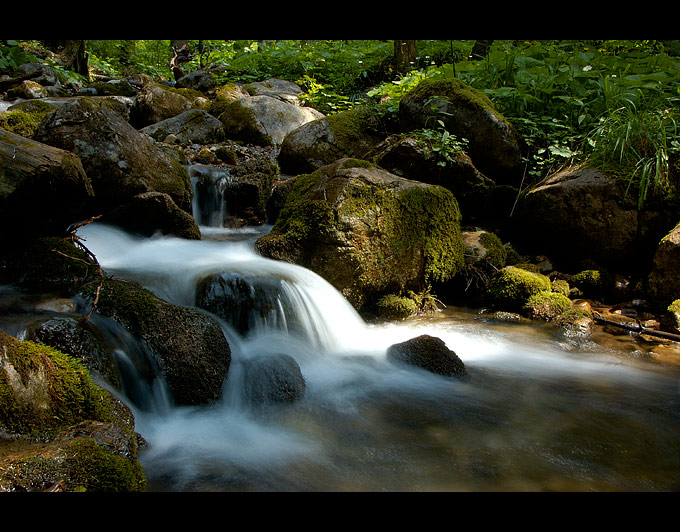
x=538, y=411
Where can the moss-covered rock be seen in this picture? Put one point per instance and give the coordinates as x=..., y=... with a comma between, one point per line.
x=90, y=456
x=593, y=283
x=349, y=134
x=664, y=281
x=561, y=287
x=368, y=232
x=43, y=390
x=494, y=145
x=671, y=318
x=575, y=322
x=156, y=102
x=511, y=287
x=546, y=305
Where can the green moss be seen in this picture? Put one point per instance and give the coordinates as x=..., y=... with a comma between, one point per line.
x=592, y=283
x=496, y=254
x=561, y=287
x=94, y=468
x=21, y=123
x=356, y=130
x=674, y=306
x=43, y=389
x=547, y=305
x=511, y=287
x=393, y=306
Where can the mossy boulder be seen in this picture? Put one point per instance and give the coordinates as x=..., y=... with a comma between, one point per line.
x=368, y=232
x=156, y=102
x=427, y=159
x=671, y=318
x=394, y=307
x=576, y=323
x=511, y=287
x=24, y=120
x=348, y=134
x=91, y=456
x=43, y=390
x=188, y=345
x=194, y=126
x=595, y=283
x=494, y=145
x=546, y=305
x=120, y=161
x=429, y=353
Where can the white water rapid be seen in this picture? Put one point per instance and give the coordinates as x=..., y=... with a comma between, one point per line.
x=537, y=413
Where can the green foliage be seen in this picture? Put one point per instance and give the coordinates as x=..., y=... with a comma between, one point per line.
x=12, y=55
x=639, y=143
x=443, y=145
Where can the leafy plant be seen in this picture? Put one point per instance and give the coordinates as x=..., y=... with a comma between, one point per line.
x=640, y=144
x=441, y=143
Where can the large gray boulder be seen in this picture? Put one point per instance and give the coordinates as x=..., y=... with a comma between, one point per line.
x=190, y=127
x=156, y=102
x=353, y=133
x=120, y=161
x=263, y=120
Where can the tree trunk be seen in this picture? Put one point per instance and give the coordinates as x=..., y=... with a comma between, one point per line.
x=405, y=54
x=71, y=55
x=180, y=54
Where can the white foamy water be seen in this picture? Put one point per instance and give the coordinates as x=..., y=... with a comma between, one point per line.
x=530, y=416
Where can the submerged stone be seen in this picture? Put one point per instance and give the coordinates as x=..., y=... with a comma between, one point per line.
x=429, y=353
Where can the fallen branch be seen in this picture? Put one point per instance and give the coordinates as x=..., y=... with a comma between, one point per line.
x=638, y=328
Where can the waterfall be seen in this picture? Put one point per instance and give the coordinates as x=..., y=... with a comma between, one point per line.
x=209, y=184
x=538, y=412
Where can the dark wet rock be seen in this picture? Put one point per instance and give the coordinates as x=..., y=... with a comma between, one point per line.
x=189, y=346
x=43, y=189
x=272, y=379
x=154, y=212
x=429, y=353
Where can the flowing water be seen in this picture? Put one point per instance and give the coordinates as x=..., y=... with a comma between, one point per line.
x=538, y=411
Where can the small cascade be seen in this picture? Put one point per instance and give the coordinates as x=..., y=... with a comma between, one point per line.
x=140, y=380
x=209, y=184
